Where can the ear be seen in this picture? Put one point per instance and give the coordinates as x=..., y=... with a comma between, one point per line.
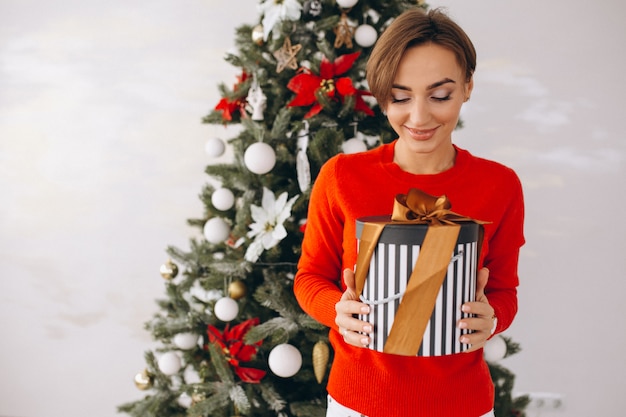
x=469, y=86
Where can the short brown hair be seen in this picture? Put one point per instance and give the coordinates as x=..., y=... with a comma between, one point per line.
x=415, y=27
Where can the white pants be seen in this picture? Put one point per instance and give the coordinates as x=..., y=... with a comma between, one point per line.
x=337, y=410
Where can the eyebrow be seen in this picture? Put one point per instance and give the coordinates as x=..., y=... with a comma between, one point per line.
x=430, y=87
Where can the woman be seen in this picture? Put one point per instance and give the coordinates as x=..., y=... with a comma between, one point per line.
x=421, y=73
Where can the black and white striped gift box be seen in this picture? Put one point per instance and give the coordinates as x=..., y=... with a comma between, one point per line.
x=390, y=268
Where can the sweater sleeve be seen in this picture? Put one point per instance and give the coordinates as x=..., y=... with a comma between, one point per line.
x=503, y=256
x=317, y=284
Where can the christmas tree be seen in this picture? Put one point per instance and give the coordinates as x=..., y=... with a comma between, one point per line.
x=505, y=404
x=233, y=340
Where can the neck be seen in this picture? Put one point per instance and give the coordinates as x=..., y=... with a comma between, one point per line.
x=425, y=163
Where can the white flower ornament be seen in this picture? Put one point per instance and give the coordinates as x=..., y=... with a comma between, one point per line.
x=268, y=229
x=274, y=11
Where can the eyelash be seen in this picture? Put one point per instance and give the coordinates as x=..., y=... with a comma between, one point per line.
x=439, y=99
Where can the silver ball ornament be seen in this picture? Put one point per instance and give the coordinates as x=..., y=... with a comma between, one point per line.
x=216, y=230
x=353, y=145
x=346, y=4
x=259, y=158
x=223, y=199
x=495, y=349
x=285, y=360
x=214, y=147
x=169, y=363
x=226, y=309
x=186, y=341
x=365, y=36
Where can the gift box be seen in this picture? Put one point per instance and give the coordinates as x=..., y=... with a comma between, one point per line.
x=415, y=269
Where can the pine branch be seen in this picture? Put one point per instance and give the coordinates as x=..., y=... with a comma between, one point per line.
x=156, y=405
x=511, y=347
x=280, y=329
x=309, y=322
x=273, y=399
x=222, y=369
x=281, y=124
x=240, y=399
x=211, y=405
x=302, y=409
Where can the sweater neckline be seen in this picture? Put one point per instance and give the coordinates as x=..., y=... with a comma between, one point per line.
x=460, y=162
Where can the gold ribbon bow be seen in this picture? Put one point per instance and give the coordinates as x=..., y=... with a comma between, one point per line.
x=420, y=207
x=418, y=302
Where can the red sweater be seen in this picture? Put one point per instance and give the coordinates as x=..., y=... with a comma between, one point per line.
x=365, y=184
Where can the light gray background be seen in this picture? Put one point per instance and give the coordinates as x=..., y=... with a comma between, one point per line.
x=101, y=162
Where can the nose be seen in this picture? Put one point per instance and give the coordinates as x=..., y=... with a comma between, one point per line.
x=420, y=113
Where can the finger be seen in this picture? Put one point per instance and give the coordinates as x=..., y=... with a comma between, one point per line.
x=353, y=325
x=348, y=279
x=355, y=338
x=478, y=309
x=481, y=282
x=353, y=330
x=477, y=324
x=351, y=307
x=475, y=340
x=350, y=292
x=347, y=317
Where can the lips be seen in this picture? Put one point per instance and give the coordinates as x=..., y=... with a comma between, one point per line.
x=421, y=134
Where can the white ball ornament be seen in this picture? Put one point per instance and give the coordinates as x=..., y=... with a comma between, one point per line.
x=214, y=147
x=353, y=145
x=259, y=158
x=226, y=309
x=186, y=341
x=184, y=400
x=223, y=199
x=191, y=376
x=495, y=349
x=347, y=3
x=285, y=360
x=169, y=363
x=216, y=230
x=365, y=35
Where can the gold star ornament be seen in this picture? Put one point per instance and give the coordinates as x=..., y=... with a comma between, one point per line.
x=286, y=56
x=344, y=32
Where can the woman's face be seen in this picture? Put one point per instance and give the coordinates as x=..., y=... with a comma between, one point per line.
x=428, y=92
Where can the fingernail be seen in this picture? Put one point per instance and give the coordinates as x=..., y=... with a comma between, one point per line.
x=465, y=340
x=462, y=325
x=367, y=329
x=465, y=308
x=365, y=341
x=365, y=310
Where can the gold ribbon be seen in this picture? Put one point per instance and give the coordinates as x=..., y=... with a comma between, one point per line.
x=418, y=302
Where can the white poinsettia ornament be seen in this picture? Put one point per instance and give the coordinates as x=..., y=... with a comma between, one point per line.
x=268, y=229
x=274, y=11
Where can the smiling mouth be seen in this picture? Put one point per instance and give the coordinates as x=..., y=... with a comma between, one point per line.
x=421, y=134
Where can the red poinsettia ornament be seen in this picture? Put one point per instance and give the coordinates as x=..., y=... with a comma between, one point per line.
x=236, y=350
x=306, y=85
x=228, y=106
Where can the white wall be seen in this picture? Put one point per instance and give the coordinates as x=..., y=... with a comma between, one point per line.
x=101, y=162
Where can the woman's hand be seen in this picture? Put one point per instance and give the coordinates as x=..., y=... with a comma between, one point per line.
x=482, y=324
x=351, y=328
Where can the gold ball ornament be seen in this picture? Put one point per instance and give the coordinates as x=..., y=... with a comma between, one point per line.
x=321, y=354
x=143, y=380
x=169, y=270
x=237, y=290
x=257, y=35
